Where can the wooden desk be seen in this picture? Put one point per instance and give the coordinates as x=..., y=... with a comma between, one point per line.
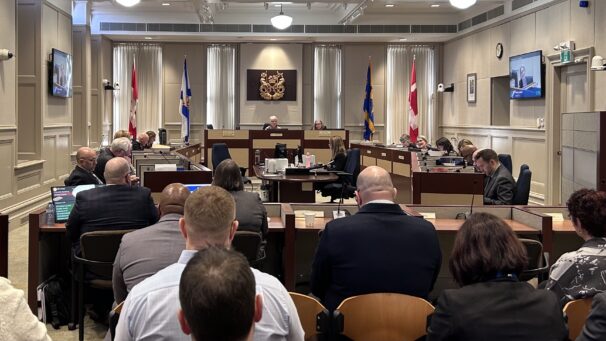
x=4, y=245
x=193, y=153
x=453, y=225
x=156, y=181
x=293, y=188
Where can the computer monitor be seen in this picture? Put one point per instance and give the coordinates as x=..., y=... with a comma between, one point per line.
x=64, y=198
x=280, y=151
x=194, y=187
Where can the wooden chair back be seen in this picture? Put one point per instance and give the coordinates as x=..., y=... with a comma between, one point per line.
x=577, y=312
x=385, y=317
x=308, y=309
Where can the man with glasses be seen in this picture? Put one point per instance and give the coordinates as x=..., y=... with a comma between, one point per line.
x=86, y=160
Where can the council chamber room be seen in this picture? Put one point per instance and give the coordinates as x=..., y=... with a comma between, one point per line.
x=302, y=170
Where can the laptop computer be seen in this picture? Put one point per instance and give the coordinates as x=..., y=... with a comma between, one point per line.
x=64, y=198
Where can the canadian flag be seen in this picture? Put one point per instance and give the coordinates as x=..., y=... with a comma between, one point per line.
x=413, y=127
x=132, y=121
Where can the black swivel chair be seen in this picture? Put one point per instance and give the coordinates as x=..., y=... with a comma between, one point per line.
x=538, y=264
x=346, y=186
x=221, y=152
x=523, y=186
x=505, y=160
x=251, y=245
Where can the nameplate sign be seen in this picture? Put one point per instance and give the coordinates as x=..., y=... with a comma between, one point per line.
x=369, y=152
x=428, y=215
x=228, y=133
x=325, y=133
x=276, y=134
x=558, y=217
x=401, y=157
x=383, y=154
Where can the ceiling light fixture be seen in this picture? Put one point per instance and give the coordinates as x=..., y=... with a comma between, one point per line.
x=389, y=5
x=128, y=3
x=165, y=4
x=281, y=21
x=435, y=5
x=462, y=4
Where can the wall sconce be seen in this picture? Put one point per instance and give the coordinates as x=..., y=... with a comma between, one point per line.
x=442, y=88
x=5, y=54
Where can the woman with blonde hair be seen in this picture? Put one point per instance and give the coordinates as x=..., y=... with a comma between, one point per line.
x=338, y=153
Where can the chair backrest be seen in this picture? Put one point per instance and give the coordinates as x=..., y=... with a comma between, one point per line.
x=308, y=309
x=352, y=165
x=577, y=312
x=505, y=160
x=265, y=125
x=247, y=243
x=536, y=262
x=523, y=186
x=280, y=151
x=209, y=127
x=101, y=246
x=384, y=317
x=220, y=152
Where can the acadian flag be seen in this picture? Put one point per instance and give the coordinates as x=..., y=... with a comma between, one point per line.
x=184, y=103
x=413, y=127
x=132, y=121
x=369, y=119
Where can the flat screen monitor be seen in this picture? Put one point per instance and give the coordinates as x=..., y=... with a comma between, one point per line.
x=526, y=75
x=194, y=187
x=61, y=74
x=64, y=198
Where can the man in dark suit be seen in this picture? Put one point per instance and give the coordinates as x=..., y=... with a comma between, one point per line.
x=120, y=147
x=499, y=186
x=82, y=174
x=595, y=325
x=117, y=206
x=379, y=249
x=140, y=143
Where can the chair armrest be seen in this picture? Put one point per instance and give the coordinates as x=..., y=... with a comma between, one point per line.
x=85, y=261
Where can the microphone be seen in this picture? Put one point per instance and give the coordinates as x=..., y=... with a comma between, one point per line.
x=338, y=213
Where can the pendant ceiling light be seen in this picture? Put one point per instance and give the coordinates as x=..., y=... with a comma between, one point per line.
x=128, y=3
x=462, y=4
x=281, y=21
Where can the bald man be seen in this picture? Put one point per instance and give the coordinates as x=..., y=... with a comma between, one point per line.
x=378, y=249
x=141, y=141
x=86, y=160
x=273, y=123
x=117, y=206
x=143, y=252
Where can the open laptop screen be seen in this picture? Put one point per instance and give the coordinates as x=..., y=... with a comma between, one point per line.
x=64, y=198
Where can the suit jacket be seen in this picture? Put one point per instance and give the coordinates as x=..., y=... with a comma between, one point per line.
x=80, y=176
x=378, y=249
x=144, y=252
x=499, y=188
x=250, y=212
x=116, y=207
x=595, y=325
x=137, y=145
x=104, y=155
x=497, y=310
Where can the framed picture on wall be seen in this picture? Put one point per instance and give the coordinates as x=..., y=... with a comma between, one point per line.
x=471, y=87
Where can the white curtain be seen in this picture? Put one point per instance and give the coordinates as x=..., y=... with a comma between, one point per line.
x=221, y=86
x=399, y=66
x=327, y=85
x=148, y=61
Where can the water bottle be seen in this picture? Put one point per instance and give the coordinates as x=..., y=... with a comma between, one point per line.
x=50, y=214
x=257, y=157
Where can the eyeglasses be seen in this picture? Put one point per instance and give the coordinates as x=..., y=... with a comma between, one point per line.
x=90, y=159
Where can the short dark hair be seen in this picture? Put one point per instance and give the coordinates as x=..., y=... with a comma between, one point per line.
x=589, y=207
x=151, y=133
x=228, y=176
x=217, y=295
x=485, y=248
x=445, y=144
x=487, y=155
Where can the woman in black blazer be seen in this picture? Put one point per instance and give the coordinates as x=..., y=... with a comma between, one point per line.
x=492, y=304
x=338, y=153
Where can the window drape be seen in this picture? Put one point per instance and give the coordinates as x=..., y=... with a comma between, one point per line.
x=399, y=66
x=221, y=86
x=148, y=60
x=327, y=85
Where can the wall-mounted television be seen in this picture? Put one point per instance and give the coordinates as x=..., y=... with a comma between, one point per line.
x=526, y=75
x=60, y=74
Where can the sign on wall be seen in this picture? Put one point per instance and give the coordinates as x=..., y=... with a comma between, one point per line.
x=271, y=85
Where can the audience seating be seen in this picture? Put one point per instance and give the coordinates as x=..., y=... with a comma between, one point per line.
x=538, y=265
x=98, y=252
x=523, y=186
x=383, y=316
x=220, y=152
x=577, y=311
x=251, y=245
x=346, y=186
x=505, y=160
x=313, y=315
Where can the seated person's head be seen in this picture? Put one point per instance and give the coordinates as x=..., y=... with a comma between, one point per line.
x=486, y=160
x=218, y=296
x=422, y=142
x=374, y=183
x=172, y=199
x=121, y=147
x=86, y=158
x=319, y=125
x=209, y=218
x=117, y=171
x=484, y=249
x=466, y=148
x=143, y=139
x=152, y=137
x=337, y=146
x=273, y=122
x=444, y=144
x=228, y=176
x=121, y=133
x=587, y=210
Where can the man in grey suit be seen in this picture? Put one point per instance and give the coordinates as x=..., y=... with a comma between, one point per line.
x=499, y=186
x=144, y=252
x=595, y=325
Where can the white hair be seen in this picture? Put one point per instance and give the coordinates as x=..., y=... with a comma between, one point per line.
x=120, y=144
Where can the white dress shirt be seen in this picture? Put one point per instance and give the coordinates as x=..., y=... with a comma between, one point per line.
x=150, y=310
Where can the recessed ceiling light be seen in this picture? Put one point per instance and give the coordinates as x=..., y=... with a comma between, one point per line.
x=148, y=38
x=389, y=5
x=165, y=4
x=435, y=5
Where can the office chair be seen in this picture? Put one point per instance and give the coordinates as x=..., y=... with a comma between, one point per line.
x=523, y=186
x=346, y=185
x=505, y=160
x=280, y=151
x=209, y=127
x=538, y=264
x=220, y=152
x=250, y=244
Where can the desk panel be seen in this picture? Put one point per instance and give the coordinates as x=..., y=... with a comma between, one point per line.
x=4, y=245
